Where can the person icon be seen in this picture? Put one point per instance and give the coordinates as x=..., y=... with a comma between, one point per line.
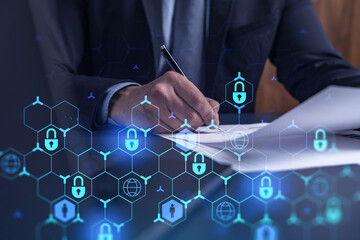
x=266, y=234
x=172, y=210
x=64, y=210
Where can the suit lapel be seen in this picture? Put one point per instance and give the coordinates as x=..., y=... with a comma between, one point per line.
x=218, y=18
x=153, y=13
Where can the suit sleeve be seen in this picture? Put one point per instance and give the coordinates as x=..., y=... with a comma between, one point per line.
x=304, y=56
x=61, y=25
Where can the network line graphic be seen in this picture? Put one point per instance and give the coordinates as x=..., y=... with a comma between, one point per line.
x=72, y=165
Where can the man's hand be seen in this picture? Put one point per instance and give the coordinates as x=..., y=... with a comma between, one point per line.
x=170, y=92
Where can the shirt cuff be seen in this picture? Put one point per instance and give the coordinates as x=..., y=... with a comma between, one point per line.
x=102, y=114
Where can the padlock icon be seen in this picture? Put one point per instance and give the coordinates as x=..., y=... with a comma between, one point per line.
x=320, y=145
x=105, y=232
x=51, y=143
x=266, y=192
x=131, y=144
x=78, y=191
x=199, y=167
x=266, y=231
x=333, y=212
x=239, y=97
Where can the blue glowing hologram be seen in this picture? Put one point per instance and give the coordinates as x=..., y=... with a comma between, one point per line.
x=10, y=163
x=132, y=187
x=64, y=210
x=225, y=211
x=172, y=211
x=266, y=232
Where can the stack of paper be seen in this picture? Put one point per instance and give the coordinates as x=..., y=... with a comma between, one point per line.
x=287, y=142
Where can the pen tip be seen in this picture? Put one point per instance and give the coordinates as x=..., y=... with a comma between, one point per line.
x=162, y=47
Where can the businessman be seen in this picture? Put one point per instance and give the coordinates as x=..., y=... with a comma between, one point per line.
x=111, y=48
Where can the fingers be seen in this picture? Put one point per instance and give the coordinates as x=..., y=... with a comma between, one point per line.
x=191, y=95
x=171, y=123
x=214, y=104
x=183, y=111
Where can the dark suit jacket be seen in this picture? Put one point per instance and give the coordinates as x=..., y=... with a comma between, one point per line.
x=89, y=45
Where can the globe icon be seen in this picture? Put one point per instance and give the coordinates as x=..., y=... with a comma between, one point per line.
x=132, y=187
x=10, y=163
x=320, y=187
x=225, y=211
x=239, y=140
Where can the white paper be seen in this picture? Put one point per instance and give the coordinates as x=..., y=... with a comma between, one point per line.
x=334, y=109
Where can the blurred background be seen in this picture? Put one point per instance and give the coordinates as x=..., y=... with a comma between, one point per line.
x=341, y=20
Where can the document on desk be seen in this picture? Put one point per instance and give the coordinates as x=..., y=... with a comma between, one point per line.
x=287, y=143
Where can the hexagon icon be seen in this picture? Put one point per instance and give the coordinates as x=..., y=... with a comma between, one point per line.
x=266, y=187
x=172, y=163
x=104, y=186
x=239, y=91
x=11, y=162
x=137, y=118
x=172, y=211
x=253, y=162
x=91, y=163
x=105, y=140
x=119, y=210
x=266, y=231
x=145, y=163
x=239, y=181
x=78, y=140
x=238, y=140
x=321, y=139
x=38, y=163
x=198, y=165
x=186, y=191
x=158, y=144
x=51, y=139
x=132, y=187
x=306, y=210
x=64, y=210
x=37, y=116
x=64, y=162
x=224, y=210
x=186, y=140
x=65, y=115
x=50, y=187
x=221, y=168
x=319, y=186
x=208, y=182
x=78, y=187
x=292, y=139
x=293, y=187
x=131, y=140
x=252, y=210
